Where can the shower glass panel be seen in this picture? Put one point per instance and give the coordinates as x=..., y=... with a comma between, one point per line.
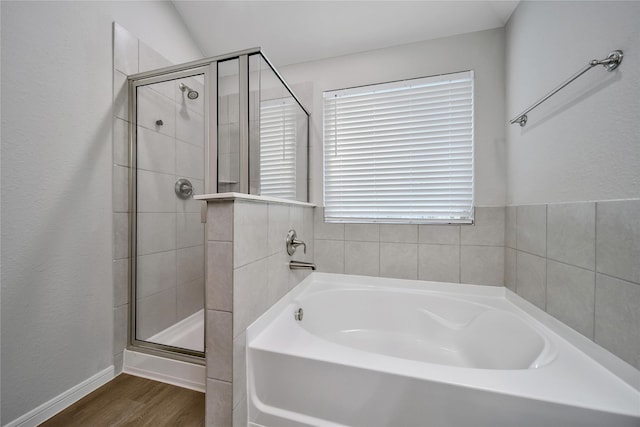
x=170, y=153
x=228, y=126
x=278, y=135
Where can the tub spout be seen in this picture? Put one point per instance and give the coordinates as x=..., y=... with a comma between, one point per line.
x=301, y=265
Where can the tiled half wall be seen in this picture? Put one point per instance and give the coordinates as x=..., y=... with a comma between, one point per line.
x=580, y=262
x=247, y=272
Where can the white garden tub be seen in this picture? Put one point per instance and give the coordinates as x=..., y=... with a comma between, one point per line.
x=386, y=352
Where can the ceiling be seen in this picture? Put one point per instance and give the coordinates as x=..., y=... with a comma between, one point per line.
x=299, y=31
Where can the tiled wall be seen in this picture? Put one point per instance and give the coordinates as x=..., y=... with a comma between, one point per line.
x=451, y=253
x=247, y=273
x=170, y=234
x=580, y=262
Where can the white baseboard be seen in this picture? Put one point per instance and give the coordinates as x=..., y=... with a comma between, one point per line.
x=63, y=401
x=175, y=372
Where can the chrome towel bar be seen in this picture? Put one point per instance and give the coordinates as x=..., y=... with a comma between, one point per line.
x=610, y=63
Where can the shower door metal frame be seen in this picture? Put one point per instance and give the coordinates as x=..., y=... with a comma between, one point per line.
x=135, y=81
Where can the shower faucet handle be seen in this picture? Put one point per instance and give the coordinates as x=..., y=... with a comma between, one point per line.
x=293, y=242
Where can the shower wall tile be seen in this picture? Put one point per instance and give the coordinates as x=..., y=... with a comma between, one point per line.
x=482, y=265
x=439, y=234
x=249, y=293
x=196, y=105
x=362, y=232
x=120, y=189
x=156, y=232
x=156, y=272
x=190, y=230
x=120, y=96
x=510, y=227
x=571, y=233
x=250, y=232
x=125, y=50
x=120, y=235
x=153, y=106
x=571, y=295
x=618, y=244
x=220, y=221
x=156, y=152
x=277, y=276
x=240, y=413
x=239, y=368
x=149, y=59
x=189, y=205
x=219, y=290
x=120, y=142
x=399, y=260
x=234, y=108
x=190, y=262
x=510, y=268
x=219, y=403
x=219, y=345
x=362, y=258
x=156, y=192
x=488, y=228
x=531, y=277
x=189, y=160
x=190, y=127
x=166, y=89
x=531, y=229
x=278, y=227
x=617, y=318
x=399, y=233
x=189, y=298
x=329, y=255
x=327, y=231
x=440, y=263
x=120, y=282
x=120, y=332
x=156, y=313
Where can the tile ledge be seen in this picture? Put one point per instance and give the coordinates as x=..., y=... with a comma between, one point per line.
x=219, y=197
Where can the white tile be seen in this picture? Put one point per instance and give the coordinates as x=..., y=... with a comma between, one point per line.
x=219, y=345
x=362, y=232
x=399, y=233
x=190, y=231
x=277, y=276
x=152, y=107
x=488, y=228
x=189, y=160
x=224, y=144
x=150, y=59
x=223, y=110
x=156, y=192
x=219, y=403
x=190, y=127
x=120, y=189
x=156, y=152
x=326, y=231
x=239, y=369
x=234, y=108
x=570, y=296
x=156, y=232
x=617, y=318
x=220, y=221
x=184, y=102
x=399, y=260
x=219, y=289
x=240, y=414
x=120, y=235
x=361, y=258
x=166, y=89
x=189, y=205
x=190, y=298
x=190, y=262
x=278, y=227
x=120, y=96
x=439, y=234
x=125, y=50
x=155, y=313
x=510, y=226
x=618, y=241
x=482, y=265
x=571, y=233
x=155, y=273
x=531, y=278
x=120, y=142
x=120, y=328
x=440, y=263
x=329, y=255
x=120, y=282
x=510, y=268
x=250, y=232
x=249, y=294
x=531, y=229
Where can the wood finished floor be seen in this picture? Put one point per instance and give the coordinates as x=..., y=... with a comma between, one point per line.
x=134, y=401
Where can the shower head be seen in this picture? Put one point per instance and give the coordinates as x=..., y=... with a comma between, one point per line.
x=191, y=94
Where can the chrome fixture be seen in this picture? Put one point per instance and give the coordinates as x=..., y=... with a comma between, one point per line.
x=191, y=94
x=184, y=189
x=301, y=265
x=298, y=314
x=159, y=122
x=293, y=242
x=610, y=63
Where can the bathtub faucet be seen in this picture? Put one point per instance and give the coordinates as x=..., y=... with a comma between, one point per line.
x=293, y=242
x=301, y=265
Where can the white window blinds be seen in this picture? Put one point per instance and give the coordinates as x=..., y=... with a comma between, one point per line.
x=278, y=148
x=400, y=152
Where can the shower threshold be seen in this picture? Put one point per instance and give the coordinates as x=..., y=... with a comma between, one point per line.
x=169, y=371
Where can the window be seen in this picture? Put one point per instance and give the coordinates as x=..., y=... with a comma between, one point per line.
x=278, y=148
x=400, y=152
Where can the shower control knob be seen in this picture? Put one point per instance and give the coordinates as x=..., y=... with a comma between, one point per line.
x=184, y=189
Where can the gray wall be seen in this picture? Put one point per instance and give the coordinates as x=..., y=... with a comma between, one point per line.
x=57, y=297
